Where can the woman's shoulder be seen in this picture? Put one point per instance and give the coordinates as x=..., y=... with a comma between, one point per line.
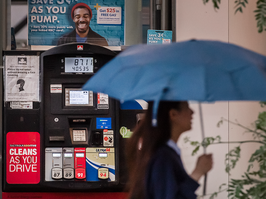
x=165, y=149
x=165, y=155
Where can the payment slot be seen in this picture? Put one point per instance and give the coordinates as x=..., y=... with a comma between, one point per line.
x=68, y=163
x=80, y=163
x=53, y=164
x=100, y=164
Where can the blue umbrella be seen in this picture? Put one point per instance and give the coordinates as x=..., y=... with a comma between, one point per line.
x=203, y=71
x=191, y=70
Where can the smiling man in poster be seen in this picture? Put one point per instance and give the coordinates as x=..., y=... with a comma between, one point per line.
x=81, y=15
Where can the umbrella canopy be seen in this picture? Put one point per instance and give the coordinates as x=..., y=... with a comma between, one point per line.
x=191, y=70
x=197, y=70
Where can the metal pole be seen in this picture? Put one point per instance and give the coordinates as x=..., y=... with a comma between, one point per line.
x=158, y=10
x=174, y=10
x=164, y=15
x=3, y=25
x=152, y=11
x=3, y=44
x=204, y=149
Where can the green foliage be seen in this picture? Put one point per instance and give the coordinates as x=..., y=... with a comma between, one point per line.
x=215, y=194
x=231, y=158
x=260, y=12
x=261, y=122
x=205, y=143
x=261, y=15
x=262, y=104
x=215, y=3
x=239, y=5
x=252, y=184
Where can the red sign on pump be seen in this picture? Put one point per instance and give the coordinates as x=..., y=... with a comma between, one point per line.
x=23, y=157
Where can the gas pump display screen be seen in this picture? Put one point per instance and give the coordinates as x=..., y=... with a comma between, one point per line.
x=56, y=155
x=78, y=65
x=103, y=155
x=80, y=155
x=68, y=155
x=78, y=97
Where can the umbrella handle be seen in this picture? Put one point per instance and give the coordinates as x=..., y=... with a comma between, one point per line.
x=204, y=184
x=204, y=149
x=202, y=126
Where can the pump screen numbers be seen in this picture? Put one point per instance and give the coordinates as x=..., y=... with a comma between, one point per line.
x=78, y=65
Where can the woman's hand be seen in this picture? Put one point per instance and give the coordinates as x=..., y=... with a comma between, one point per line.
x=204, y=165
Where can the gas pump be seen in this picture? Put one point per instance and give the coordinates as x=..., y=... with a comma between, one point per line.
x=68, y=140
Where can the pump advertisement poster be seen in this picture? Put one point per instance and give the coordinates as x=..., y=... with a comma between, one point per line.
x=55, y=22
x=23, y=157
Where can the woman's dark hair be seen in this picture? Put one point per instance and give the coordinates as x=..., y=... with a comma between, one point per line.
x=143, y=143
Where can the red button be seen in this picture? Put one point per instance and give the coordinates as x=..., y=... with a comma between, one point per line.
x=80, y=173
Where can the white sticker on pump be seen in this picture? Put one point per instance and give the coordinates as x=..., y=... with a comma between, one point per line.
x=21, y=105
x=21, y=78
x=102, y=101
x=56, y=88
x=108, y=140
x=107, y=131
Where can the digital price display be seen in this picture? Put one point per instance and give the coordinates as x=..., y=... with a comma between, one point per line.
x=80, y=155
x=68, y=155
x=103, y=155
x=78, y=65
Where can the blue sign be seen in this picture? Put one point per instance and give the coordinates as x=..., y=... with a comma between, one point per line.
x=54, y=22
x=104, y=123
x=159, y=37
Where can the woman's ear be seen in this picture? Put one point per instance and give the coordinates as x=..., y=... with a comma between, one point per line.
x=173, y=114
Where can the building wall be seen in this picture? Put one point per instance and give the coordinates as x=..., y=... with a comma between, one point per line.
x=198, y=21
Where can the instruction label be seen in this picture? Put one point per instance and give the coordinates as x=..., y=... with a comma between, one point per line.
x=22, y=78
x=102, y=101
x=21, y=105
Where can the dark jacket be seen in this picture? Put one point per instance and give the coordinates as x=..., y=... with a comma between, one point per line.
x=92, y=38
x=166, y=177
